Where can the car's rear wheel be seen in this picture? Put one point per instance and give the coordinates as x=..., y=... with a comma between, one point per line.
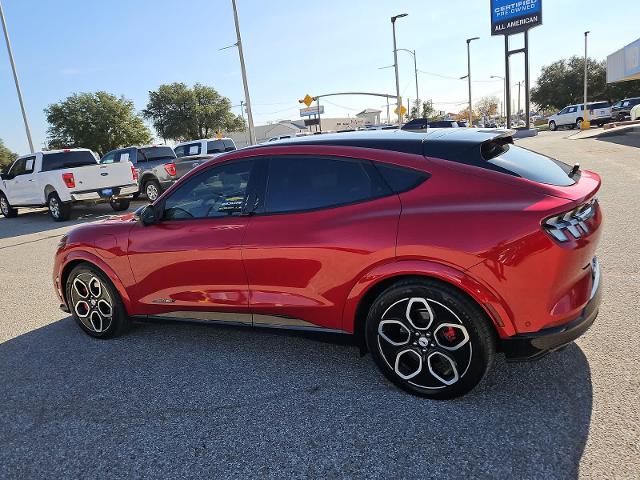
x=120, y=205
x=58, y=210
x=578, y=123
x=152, y=190
x=552, y=126
x=429, y=339
x=95, y=303
x=6, y=209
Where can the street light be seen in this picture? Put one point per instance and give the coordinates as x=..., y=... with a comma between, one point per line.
x=252, y=133
x=504, y=93
x=415, y=68
x=15, y=79
x=469, y=40
x=585, y=121
x=395, y=63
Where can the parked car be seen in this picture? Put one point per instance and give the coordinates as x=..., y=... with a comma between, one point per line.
x=621, y=110
x=59, y=178
x=422, y=123
x=204, y=146
x=635, y=112
x=571, y=116
x=155, y=165
x=185, y=164
x=426, y=247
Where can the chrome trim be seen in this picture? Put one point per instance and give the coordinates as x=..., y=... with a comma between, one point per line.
x=595, y=273
x=280, y=321
x=223, y=317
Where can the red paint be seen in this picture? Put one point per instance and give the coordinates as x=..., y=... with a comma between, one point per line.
x=475, y=229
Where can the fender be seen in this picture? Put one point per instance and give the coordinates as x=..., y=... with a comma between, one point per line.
x=76, y=255
x=491, y=303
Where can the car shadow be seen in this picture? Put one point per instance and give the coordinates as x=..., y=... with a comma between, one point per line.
x=186, y=400
x=37, y=220
x=630, y=138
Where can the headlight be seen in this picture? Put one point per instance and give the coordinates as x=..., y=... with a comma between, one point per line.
x=572, y=222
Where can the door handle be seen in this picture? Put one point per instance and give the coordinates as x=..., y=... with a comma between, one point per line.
x=31, y=179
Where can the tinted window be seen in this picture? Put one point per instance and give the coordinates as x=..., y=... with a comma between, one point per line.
x=215, y=146
x=401, y=179
x=156, y=153
x=217, y=192
x=179, y=151
x=58, y=161
x=527, y=164
x=307, y=183
x=229, y=145
x=598, y=105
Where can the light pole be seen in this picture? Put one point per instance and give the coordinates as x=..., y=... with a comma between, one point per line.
x=15, y=79
x=415, y=68
x=504, y=93
x=252, y=133
x=469, y=40
x=585, y=121
x=395, y=64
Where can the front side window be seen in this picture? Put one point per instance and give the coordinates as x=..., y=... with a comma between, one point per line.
x=298, y=183
x=215, y=146
x=18, y=168
x=219, y=191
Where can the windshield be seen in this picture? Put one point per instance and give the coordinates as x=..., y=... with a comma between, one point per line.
x=157, y=153
x=58, y=161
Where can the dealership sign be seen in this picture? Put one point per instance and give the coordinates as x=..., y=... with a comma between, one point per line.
x=309, y=111
x=514, y=16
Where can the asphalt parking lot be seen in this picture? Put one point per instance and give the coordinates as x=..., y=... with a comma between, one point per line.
x=177, y=400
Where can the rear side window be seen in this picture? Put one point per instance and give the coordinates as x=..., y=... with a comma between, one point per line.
x=298, y=183
x=401, y=179
x=518, y=161
x=179, y=151
x=61, y=160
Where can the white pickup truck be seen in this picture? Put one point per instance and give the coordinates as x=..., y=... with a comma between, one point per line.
x=58, y=178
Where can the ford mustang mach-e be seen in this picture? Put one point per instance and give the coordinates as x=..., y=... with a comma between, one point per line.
x=434, y=249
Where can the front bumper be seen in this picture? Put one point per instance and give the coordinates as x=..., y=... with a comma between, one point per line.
x=119, y=192
x=531, y=346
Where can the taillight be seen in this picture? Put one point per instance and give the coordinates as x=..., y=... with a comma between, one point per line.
x=170, y=169
x=572, y=222
x=134, y=173
x=68, y=180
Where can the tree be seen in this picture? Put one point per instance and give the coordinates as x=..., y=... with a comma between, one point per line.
x=182, y=113
x=487, y=106
x=98, y=121
x=6, y=156
x=427, y=110
x=562, y=83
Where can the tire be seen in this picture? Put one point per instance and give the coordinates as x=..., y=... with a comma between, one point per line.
x=152, y=190
x=95, y=303
x=120, y=205
x=58, y=210
x=6, y=209
x=429, y=339
x=578, y=124
x=552, y=126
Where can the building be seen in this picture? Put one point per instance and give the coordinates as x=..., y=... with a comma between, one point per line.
x=371, y=116
x=270, y=130
x=624, y=65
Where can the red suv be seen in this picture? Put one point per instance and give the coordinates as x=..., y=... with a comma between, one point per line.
x=434, y=250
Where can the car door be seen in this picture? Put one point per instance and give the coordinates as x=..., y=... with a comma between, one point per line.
x=30, y=191
x=323, y=222
x=189, y=263
x=14, y=182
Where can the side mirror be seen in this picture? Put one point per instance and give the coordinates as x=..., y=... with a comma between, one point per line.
x=147, y=215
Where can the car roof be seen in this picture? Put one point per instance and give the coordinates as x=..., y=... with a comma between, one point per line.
x=430, y=142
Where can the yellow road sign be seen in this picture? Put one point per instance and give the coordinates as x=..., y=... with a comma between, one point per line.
x=307, y=100
x=401, y=110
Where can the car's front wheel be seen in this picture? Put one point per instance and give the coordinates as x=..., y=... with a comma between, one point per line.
x=5, y=207
x=429, y=339
x=95, y=303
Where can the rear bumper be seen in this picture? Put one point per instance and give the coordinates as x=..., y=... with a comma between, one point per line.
x=531, y=346
x=122, y=191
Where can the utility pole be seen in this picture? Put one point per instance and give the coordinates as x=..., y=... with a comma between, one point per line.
x=519, y=83
x=15, y=79
x=395, y=64
x=469, y=40
x=504, y=93
x=252, y=133
x=585, y=120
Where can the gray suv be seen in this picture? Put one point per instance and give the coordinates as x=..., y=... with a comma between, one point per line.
x=155, y=165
